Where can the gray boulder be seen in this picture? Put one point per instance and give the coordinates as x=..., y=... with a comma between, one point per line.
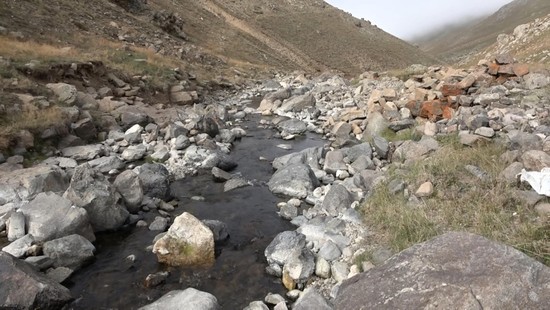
x=284, y=246
x=536, y=80
x=155, y=181
x=295, y=180
x=456, y=270
x=25, y=184
x=356, y=151
x=218, y=228
x=83, y=152
x=309, y=156
x=134, y=152
x=298, y=268
x=293, y=126
x=310, y=299
x=334, y=161
x=337, y=200
x=19, y=247
x=188, y=299
x=410, y=151
x=128, y=184
x=92, y=191
x=297, y=104
x=22, y=287
x=72, y=251
x=50, y=216
x=106, y=164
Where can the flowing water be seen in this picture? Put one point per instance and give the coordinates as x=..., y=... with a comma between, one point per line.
x=238, y=276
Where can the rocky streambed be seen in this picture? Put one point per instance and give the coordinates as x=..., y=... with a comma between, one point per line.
x=228, y=203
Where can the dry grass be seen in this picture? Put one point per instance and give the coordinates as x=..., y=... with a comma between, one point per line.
x=461, y=202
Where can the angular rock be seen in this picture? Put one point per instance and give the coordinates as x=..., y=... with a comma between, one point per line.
x=536, y=80
x=85, y=129
x=159, y=224
x=256, y=305
x=25, y=184
x=92, y=191
x=72, y=251
x=128, y=184
x=310, y=299
x=334, y=161
x=218, y=228
x=23, y=287
x=16, y=226
x=188, y=242
x=65, y=93
x=381, y=146
x=19, y=247
x=309, y=156
x=191, y=298
x=155, y=181
x=410, y=151
x=234, y=184
x=49, y=216
x=425, y=190
x=284, y=246
x=106, y=164
x=300, y=266
x=84, y=152
x=337, y=200
x=297, y=104
x=220, y=175
x=535, y=160
x=134, y=152
x=295, y=180
x=445, y=273
x=293, y=126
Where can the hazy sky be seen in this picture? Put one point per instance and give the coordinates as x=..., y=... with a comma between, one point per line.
x=409, y=18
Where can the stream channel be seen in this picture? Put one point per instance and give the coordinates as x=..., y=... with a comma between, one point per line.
x=238, y=275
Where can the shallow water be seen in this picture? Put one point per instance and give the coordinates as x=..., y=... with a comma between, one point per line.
x=238, y=276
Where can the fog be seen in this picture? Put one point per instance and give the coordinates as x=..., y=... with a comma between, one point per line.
x=408, y=19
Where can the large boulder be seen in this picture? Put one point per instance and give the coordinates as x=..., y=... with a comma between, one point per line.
x=284, y=246
x=310, y=299
x=25, y=184
x=456, y=270
x=65, y=93
x=92, y=191
x=155, y=181
x=337, y=200
x=71, y=251
x=292, y=126
x=188, y=242
x=190, y=298
x=128, y=184
x=83, y=152
x=295, y=180
x=50, y=216
x=22, y=287
x=308, y=156
x=297, y=104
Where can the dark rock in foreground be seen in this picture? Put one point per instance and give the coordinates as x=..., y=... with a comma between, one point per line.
x=452, y=271
x=21, y=287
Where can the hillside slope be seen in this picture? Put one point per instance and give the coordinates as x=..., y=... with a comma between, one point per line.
x=455, y=44
x=258, y=35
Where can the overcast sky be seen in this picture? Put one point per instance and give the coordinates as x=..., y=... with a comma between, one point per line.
x=407, y=19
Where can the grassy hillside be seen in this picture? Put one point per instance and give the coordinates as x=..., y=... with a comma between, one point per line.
x=454, y=44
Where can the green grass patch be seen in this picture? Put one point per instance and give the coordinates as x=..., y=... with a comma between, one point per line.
x=402, y=135
x=461, y=202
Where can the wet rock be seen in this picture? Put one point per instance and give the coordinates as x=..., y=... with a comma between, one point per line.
x=155, y=181
x=452, y=279
x=234, y=184
x=309, y=156
x=292, y=126
x=295, y=180
x=188, y=242
x=92, y=191
x=72, y=251
x=39, y=291
x=156, y=279
x=310, y=299
x=218, y=228
x=191, y=298
x=159, y=224
x=273, y=299
x=49, y=216
x=25, y=184
x=220, y=175
x=284, y=246
x=59, y=274
x=83, y=152
x=128, y=184
x=337, y=200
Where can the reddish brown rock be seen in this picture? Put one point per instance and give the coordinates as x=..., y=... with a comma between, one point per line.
x=493, y=69
x=520, y=69
x=414, y=106
x=506, y=69
x=452, y=90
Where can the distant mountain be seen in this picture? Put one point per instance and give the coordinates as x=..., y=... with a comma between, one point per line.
x=455, y=44
x=308, y=35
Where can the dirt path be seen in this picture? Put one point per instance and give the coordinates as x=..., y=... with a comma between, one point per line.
x=297, y=57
